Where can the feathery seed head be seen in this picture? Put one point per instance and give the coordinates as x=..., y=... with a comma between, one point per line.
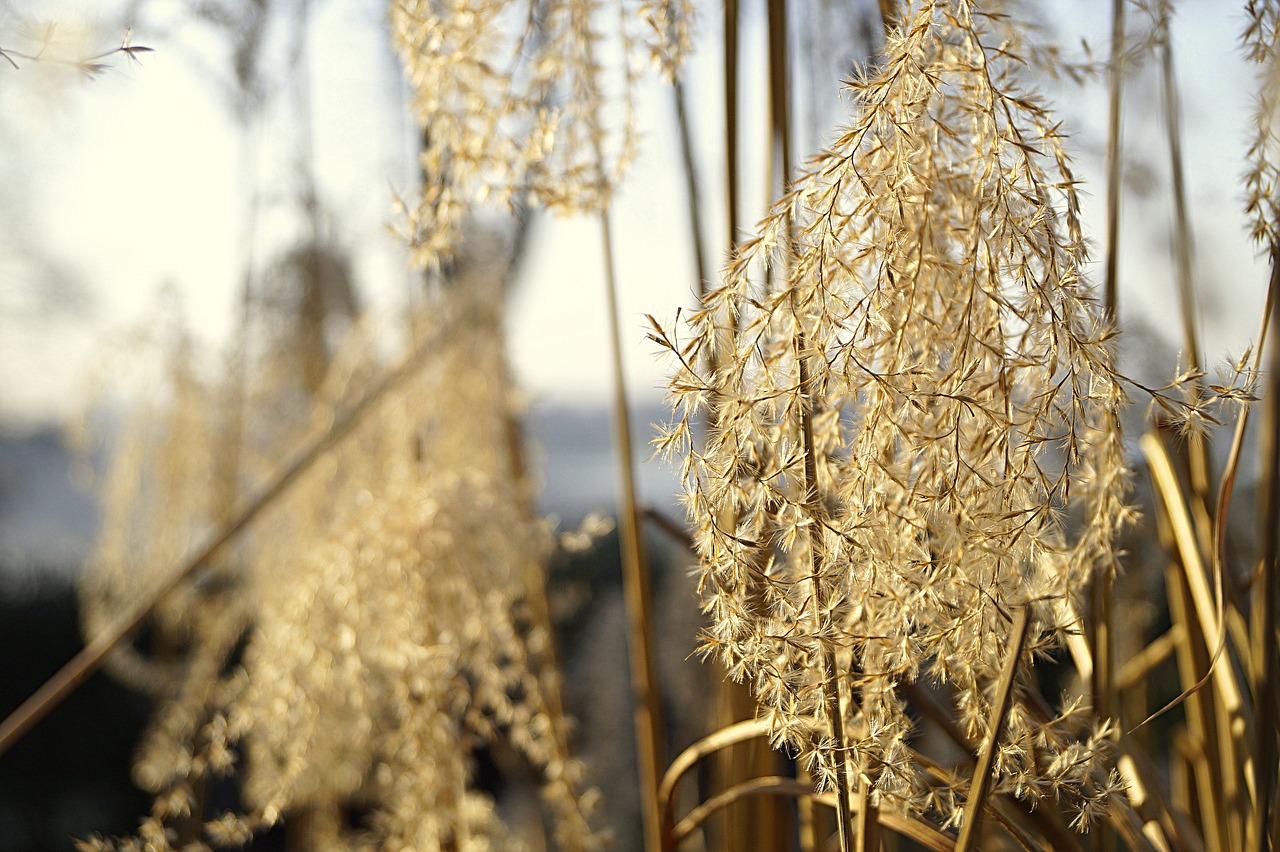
x=900, y=423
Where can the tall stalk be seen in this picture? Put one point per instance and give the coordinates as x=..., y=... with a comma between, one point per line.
x=1266, y=655
x=1115, y=76
x=1197, y=442
x=826, y=662
x=681, y=102
x=982, y=774
x=67, y=679
x=637, y=584
x=1100, y=591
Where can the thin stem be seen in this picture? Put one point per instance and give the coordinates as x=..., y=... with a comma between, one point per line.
x=67, y=679
x=647, y=710
x=779, y=90
x=982, y=774
x=731, y=117
x=1197, y=445
x=826, y=657
x=734, y=701
x=1100, y=624
x=1114, y=129
x=1266, y=665
x=1182, y=244
x=691, y=185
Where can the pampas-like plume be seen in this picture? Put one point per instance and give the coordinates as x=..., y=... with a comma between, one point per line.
x=388, y=614
x=1262, y=43
x=516, y=105
x=905, y=421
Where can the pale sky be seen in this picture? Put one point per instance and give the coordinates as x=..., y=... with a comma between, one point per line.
x=134, y=182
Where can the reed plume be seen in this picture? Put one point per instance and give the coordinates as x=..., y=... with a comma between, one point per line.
x=905, y=422
x=376, y=626
x=518, y=108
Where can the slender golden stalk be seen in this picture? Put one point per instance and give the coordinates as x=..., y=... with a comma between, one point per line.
x=1116, y=72
x=1100, y=637
x=1182, y=245
x=1207, y=601
x=1197, y=450
x=1100, y=624
x=1217, y=720
x=826, y=662
x=67, y=679
x=635, y=574
x=1266, y=661
x=692, y=184
x=731, y=117
x=982, y=774
x=734, y=701
x=780, y=91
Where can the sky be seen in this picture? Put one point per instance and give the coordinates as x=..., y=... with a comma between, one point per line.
x=132, y=186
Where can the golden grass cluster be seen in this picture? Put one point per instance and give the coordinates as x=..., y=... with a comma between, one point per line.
x=905, y=411
x=525, y=103
x=377, y=623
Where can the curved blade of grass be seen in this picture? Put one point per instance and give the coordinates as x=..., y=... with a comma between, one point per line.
x=919, y=832
x=700, y=750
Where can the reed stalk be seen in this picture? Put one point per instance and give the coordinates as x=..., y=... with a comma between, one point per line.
x=67, y=679
x=982, y=779
x=637, y=583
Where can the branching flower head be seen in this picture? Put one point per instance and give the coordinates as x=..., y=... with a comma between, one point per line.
x=381, y=621
x=1262, y=42
x=521, y=103
x=904, y=418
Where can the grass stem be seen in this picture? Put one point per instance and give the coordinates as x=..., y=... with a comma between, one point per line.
x=67, y=679
x=983, y=773
x=827, y=658
x=637, y=584
x=1266, y=667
